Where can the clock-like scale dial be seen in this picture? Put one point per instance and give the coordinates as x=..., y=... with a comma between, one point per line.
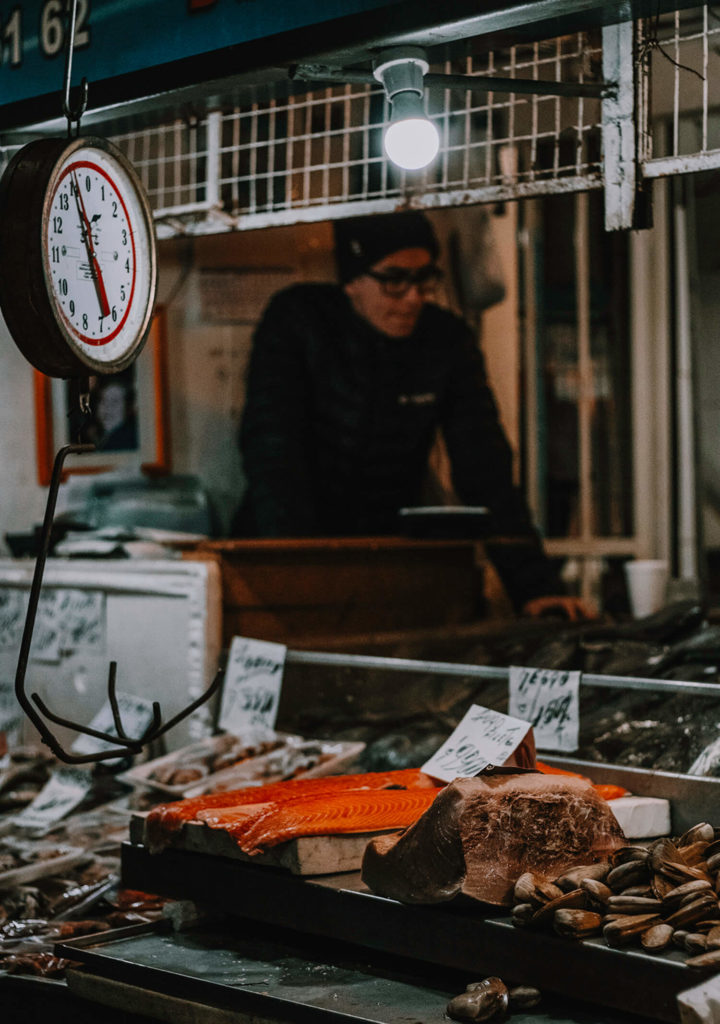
x=80, y=285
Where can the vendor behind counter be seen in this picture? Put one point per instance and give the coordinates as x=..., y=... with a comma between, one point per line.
x=349, y=383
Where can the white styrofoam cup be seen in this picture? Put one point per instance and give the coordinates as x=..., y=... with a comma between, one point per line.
x=647, y=580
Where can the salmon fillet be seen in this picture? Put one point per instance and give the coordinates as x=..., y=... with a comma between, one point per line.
x=332, y=814
x=166, y=819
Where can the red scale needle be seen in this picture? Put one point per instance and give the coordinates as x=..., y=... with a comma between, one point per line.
x=95, y=268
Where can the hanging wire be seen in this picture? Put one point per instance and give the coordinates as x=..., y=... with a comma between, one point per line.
x=651, y=42
x=73, y=114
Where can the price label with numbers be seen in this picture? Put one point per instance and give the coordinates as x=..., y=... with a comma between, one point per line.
x=549, y=700
x=484, y=737
x=253, y=683
x=67, y=788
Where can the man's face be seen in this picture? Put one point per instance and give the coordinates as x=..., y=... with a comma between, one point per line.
x=395, y=316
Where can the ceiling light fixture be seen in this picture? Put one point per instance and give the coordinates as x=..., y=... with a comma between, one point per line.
x=411, y=139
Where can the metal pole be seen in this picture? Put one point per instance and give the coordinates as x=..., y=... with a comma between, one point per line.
x=493, y=674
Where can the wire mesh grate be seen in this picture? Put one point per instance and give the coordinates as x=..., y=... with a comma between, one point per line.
x=684, y=51
x=320, y=154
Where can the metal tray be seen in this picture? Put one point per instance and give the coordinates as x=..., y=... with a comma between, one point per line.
x=458, y=936
x=275, y=975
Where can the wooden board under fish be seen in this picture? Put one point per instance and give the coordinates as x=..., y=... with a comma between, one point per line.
x=307, y=855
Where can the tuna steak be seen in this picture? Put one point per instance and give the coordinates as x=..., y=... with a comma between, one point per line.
x=480, y=835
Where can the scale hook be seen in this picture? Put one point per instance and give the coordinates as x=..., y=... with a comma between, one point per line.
x=73, y=114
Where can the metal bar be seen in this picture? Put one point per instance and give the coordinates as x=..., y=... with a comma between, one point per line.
x=390, y=203
x=663, y=167
x=618, y=128
x=493, y=674
x=474, y=83
x=597, y=546
x=584, y=367
x=685, y=400
x=534, y=483
x=212, y=176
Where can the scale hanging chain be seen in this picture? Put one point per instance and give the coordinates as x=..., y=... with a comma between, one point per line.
x=73, y=114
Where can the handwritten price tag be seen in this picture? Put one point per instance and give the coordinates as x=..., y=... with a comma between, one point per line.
x=10, y=711
x=549, y=700
x=483, y=737
x=81, y=619
x=67, y=620
x=13, y=604
x=66, y=789
x=253, y=682
x=135, y=714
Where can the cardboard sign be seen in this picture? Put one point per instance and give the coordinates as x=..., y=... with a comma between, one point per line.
x=67, y=619
x=135, y=714
x=549, y=700
x=252, y=687
x=484, y=737
x=66, y=789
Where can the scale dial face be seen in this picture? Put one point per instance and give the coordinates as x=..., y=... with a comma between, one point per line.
x=97, y=256
x=88, y=245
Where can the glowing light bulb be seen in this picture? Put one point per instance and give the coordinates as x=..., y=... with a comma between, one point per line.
x=412, y=142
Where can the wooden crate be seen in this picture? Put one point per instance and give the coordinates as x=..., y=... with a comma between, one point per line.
x=289, y=590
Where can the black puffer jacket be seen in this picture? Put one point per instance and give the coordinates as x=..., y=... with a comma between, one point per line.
x=339, y=421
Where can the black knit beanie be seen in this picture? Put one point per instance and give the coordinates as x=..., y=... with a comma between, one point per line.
x=360, y=242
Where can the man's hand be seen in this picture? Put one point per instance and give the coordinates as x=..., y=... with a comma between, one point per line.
x=574, y=608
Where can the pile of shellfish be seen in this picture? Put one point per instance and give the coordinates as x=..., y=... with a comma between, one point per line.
x=663, y=895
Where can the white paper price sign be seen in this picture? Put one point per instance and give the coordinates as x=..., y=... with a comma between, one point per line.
x=483, y=737
x=135, y=714
x=253, y=682
x=66, y=789
x=67, y=620
x=549, y=700
x=10, y=710
x=13, y=606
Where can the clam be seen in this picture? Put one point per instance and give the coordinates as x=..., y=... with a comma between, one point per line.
x=481, y=1000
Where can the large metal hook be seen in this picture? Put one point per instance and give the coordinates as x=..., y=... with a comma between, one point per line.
x=73, y=114
x=124, y=744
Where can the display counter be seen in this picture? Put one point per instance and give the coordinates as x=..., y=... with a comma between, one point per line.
x=328, y=946
x=293, y=590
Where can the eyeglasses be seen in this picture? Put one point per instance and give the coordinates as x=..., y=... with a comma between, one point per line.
x=396, y=281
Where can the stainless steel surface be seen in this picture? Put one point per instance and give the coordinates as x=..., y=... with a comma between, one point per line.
x=294, y=979
x=692, y=798
x=461, y=936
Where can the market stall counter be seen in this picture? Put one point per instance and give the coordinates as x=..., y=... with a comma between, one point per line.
x=295, y=589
